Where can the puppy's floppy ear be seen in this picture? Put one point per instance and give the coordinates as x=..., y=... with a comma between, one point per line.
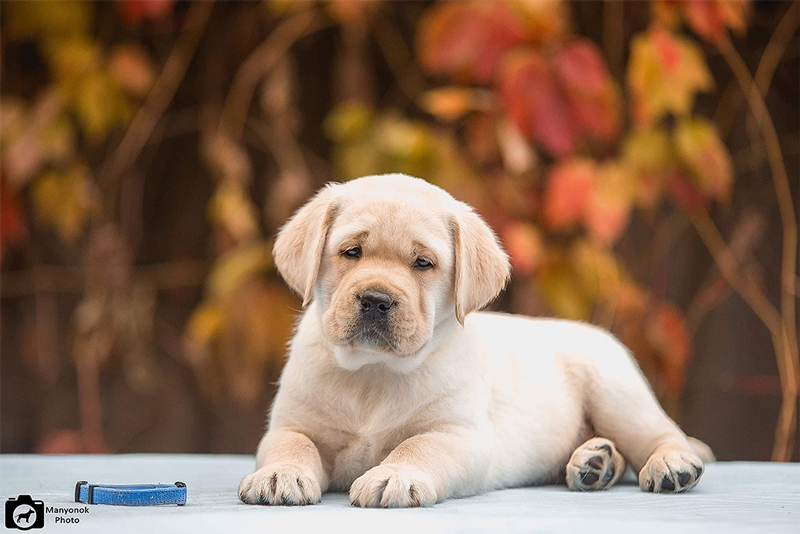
x=481, y=265
x=300, y=243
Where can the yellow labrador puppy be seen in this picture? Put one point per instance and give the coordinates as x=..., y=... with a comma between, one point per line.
x=399, y=392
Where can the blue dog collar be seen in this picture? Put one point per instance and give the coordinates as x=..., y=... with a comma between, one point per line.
x=131, y=495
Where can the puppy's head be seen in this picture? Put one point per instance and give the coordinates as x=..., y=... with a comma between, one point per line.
x=389, y=260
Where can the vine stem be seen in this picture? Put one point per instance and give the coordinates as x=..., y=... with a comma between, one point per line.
x=259, y=63
x=159, y=98
x=785, y=338
x=755, y=298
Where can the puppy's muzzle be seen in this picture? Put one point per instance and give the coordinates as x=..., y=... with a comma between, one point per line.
x=375, y=306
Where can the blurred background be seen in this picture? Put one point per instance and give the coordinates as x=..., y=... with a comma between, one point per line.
x=639, y=161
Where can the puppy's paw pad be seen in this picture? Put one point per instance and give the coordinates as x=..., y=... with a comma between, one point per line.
x=594, y=465
x=673, y=472
x=280, y=484
x=393, y=486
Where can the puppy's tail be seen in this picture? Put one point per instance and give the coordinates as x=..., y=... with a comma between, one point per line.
x=702, y=450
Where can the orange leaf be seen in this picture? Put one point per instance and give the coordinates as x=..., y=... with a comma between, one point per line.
x=609, y=208
x=132, y=69
x=569, y=189
x=523, y=241
x=452, y=103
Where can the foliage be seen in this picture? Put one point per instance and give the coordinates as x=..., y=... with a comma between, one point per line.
x=507, y=108
x=534, y=108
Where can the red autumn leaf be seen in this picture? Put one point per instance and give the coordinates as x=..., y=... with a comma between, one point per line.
x=537, y=104
x=569, y=190
x=591, y=90
x=135, y=11
x=558, y=100
x=467, y=40
x=710, y=19
x=12, y=221
x=684, y=193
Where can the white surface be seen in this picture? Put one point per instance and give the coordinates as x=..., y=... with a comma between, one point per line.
x=731, y=498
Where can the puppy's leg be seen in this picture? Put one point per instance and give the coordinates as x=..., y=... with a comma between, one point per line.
x=595, y=465
x=289, y=471
x=622, y=407
x=423, y=470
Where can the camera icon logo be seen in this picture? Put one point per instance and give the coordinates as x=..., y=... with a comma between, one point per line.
x=23, y=513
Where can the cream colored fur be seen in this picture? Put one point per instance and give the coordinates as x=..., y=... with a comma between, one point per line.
x=455, y=402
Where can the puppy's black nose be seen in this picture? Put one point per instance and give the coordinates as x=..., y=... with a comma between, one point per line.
x=375, y=304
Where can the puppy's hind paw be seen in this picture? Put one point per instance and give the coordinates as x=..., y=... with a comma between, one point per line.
x=671, y=472
x=595, y=465
x=280, y=484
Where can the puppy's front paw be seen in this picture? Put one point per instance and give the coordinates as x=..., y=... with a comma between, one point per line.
x=393, y=486
x=280, y=484
x=595, y=465
x=671, y=472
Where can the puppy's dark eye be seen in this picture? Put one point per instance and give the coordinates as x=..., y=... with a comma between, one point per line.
x=353, y=253
x=422, y=264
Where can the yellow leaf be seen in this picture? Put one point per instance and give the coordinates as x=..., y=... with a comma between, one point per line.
x=65, y=200
x=232, y=208
x=71, y=61
x=237, y=266
x=51, y=20
x=257, y=326
x=598, y=272
x=348, y=121
x=648, y=155
x=665, y=73
x=563, y=289
x=704, y=154
x=13, y=117
x=205, y=322
x=100, y=105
